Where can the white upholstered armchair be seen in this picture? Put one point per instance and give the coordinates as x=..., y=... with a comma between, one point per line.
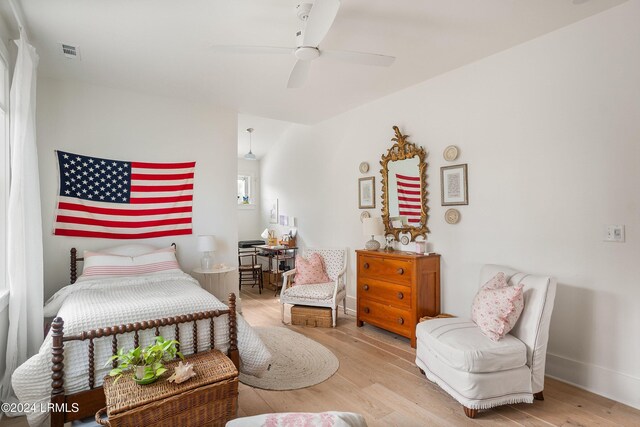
x=481, y=373
x=323, y=294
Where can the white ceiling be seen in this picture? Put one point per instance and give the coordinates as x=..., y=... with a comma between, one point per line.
x=161, y=46
x=266, y=132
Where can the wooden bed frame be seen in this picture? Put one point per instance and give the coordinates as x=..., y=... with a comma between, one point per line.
x=88, y=402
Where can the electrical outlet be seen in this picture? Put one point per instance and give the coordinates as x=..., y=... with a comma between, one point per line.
x=614, y=233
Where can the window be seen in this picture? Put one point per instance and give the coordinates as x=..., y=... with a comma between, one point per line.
x=244, y=190
x=4, y=166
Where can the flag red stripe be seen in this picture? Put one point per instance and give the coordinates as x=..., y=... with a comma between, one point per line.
x=103, y=235
x=410, y=178
x=121, y=224
x=406, y=184
x=131, y=212
x=409, y=206
x=163, y=177
x=409, y=199
x=139, y=200
x=413, y=220
x=409, y=213
x=152, y=188
x=401, y=191
x=148, y=165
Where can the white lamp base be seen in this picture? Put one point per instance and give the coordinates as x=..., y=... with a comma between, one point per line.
x=206, y=262
x=372, y=245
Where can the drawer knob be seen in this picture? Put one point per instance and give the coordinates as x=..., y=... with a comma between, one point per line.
x=401, y=271
x=366, y=265
x=366, y=310
x=365, y=287
x=400, y=295
x=400, y=320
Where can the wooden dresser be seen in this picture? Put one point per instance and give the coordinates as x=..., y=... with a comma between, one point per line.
x=396, y=289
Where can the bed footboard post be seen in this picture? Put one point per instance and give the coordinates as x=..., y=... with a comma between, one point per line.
x=233, y=332
x=57, y=376
x=73, y=267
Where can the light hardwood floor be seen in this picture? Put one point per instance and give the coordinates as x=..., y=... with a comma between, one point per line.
x=378, y=379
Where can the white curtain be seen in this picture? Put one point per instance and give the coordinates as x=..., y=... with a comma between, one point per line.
x=24, y=224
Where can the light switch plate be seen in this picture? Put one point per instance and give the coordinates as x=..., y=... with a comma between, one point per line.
x=614, y=233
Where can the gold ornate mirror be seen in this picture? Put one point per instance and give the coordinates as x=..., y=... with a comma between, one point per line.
x=404, y=192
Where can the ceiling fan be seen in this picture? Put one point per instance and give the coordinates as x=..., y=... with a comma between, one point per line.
x=318, y=18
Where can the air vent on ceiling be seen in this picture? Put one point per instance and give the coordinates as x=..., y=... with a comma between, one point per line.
x=69, y=51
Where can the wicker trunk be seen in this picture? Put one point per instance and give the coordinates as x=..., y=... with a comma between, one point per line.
x=311, y=316
x=208, y=399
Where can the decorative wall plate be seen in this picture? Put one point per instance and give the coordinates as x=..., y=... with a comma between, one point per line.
x=405, y=240
x=364, y=167
x=450, y=153
x=363, y=215
x=452, y=216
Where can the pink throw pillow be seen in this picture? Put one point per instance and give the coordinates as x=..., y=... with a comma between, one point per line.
x=310, y=270
x=497, y=307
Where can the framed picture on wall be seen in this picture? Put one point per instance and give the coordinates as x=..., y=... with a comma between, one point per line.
x=453, y=185
x=273, y=212
x=367, y=192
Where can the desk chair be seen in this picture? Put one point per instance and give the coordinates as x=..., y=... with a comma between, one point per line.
x=249, y=269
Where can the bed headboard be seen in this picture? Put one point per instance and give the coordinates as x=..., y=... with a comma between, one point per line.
x=73, y=265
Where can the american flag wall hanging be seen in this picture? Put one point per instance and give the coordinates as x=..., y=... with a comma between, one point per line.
x=409, y=202
x=115, y=199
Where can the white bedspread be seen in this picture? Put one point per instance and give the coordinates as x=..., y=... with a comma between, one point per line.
x=106, y=302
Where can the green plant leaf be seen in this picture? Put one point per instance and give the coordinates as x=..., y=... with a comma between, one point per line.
x=161, y=371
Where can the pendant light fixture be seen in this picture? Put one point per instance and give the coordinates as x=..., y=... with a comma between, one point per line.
x=250, y=155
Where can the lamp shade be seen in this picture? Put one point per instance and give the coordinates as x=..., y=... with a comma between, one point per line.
x=372, y=227
x=206, y=243
x=265, y=234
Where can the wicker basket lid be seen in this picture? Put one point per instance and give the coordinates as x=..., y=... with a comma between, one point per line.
x=210, y=367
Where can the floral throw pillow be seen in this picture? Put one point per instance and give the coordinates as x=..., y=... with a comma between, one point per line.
x=497, y=307
x=310, y=270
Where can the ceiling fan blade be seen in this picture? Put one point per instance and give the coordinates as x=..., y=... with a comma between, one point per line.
x=321, y=17
x=252, y=49
x=299, y=74
x=359, y=57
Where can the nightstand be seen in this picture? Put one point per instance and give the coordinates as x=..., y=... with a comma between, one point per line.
x=214, y=288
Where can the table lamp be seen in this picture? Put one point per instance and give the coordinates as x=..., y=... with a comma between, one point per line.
x=372, y=227
x=206, y=245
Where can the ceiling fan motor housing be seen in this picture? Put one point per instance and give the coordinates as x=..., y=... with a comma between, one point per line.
x=305, y=53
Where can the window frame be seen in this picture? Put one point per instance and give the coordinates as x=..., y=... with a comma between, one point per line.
x=252, y=193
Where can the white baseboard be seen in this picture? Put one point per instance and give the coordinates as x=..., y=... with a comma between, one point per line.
x=596, y=379
x=351, y=305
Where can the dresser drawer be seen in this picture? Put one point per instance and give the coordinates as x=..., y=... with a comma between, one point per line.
x=393, y=319
x=385, y=292
x=394, y=270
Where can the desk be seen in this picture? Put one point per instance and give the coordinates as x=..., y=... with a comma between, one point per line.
x=276, y=254
x=209, y=286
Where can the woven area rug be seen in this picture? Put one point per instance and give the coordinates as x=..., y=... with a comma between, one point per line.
x=298, y=361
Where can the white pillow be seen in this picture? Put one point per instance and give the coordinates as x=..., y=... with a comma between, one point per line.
x=101, y=265
x=134, y=249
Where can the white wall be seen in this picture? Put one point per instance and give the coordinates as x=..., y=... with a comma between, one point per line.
x=550, y=130
x=250, y=223
x=103, y=122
